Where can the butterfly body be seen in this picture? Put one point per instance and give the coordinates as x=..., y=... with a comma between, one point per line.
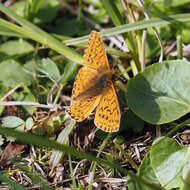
x=93, y=88
x=97, y=86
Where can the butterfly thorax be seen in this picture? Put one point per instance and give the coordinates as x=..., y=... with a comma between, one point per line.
x=96, y=86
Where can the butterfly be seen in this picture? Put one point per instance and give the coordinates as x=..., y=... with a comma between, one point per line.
x=93, y=88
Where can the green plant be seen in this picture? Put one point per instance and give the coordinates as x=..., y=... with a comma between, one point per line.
x=37, y=68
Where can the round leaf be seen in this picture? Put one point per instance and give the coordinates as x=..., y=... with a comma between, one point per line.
x=8, y=49
x=12, y=122
x=12, y=74
x=29, y=123
x=50, y=68
x=161, y=93
x=170, y=162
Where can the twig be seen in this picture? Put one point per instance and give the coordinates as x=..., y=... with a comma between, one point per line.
x=10, y=92
x=23, y=103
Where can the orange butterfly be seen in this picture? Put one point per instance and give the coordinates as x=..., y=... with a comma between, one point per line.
x=93, y=88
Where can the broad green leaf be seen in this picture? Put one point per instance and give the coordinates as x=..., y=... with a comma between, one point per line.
x=21, y=128
x=3, y=90
x=15, y=48
x=47, y=11
x=170, y=162
x=12, y=122
x=146, y=171
x=50, y=68
x=12, y=74
x=134, y=185
x=69, y=69
x=29, y=123
x=161, y=93
x=32, y=64
x=19, y=8
x=167, y=163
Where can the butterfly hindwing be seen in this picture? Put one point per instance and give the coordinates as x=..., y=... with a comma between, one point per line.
x=107, y=115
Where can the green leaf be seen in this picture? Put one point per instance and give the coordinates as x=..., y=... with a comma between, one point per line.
x=7, y=32
x=152, y=44
x=50, y=68
x=29, y=123
x=62, y=139
x=69, y=69
x=12, y=74
x=167, y=163
x=15, y=48
x=11, y=183
x=113, y=12
x=170, y=162
x=172, y=3
x=132, y=121
x=19, y=8
x=27, y=29
x=139, y=25
x=12, y=122
x=185, y=32
x=21, y=128
x=70, y=27
x=161, y=93
x=47, y=11
x=146, y=171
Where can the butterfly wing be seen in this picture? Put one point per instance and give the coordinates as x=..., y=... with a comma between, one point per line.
x=107, y=115
x=95, y=54
x=80, y=109
x=94, y=60
x=84, y=77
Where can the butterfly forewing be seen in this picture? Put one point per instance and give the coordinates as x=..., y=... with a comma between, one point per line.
x=84, y=77
x=95, y=54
